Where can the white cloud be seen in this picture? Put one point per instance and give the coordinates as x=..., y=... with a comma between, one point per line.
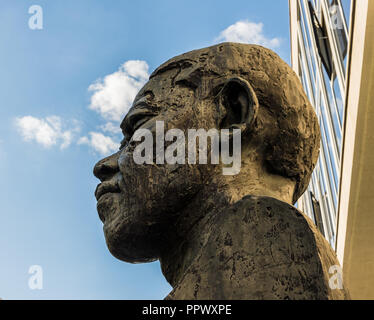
x=67, y=138
x=100, y=143
x=83, y=140
x=47, y=132
x=112, y=96
x=111, y=128
x=248, y=32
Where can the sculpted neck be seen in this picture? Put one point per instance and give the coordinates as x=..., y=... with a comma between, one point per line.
x=186, y=239
x=258, y=248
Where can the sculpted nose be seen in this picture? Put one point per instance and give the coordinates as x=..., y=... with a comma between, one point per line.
x=107, y=167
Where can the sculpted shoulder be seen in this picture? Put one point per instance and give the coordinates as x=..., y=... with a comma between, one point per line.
x=261, y=248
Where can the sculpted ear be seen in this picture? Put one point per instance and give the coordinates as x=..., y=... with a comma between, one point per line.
x=238, y=102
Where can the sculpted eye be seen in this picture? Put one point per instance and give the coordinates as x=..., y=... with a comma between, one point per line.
x=137, y=121
x=133, y=123
x=141, y=111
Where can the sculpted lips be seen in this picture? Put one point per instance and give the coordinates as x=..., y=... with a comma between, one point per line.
x=106, y=187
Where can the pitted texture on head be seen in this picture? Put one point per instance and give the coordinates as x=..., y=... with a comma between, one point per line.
x=286, y=118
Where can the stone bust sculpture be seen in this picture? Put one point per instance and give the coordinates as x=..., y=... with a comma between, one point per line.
x=221, y=236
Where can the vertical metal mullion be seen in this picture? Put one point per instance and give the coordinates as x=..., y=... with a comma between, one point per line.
x=305, y=64
x=324, y=204
x=337, y=61
x=318, y=195
x=309, y=205
x=330, y=125
x=327, y=185
x=320, y=78
x=302, y=21
x=336, y=108
x=331, y=213
x=322, y=151
x=344, y=20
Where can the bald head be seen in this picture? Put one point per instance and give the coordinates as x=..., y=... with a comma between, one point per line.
x=285, y=115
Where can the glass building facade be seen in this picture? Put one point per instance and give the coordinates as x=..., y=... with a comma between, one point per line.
x=320, y=41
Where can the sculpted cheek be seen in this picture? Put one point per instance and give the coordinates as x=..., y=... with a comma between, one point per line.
x=123, y=160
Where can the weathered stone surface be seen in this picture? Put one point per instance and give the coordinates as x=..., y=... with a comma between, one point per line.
x=211, y=239
x=259, y=248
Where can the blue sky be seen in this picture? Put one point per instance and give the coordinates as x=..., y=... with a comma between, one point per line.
x=59, y=113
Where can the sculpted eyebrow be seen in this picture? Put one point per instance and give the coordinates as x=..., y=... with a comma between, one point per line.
x=180, y=64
